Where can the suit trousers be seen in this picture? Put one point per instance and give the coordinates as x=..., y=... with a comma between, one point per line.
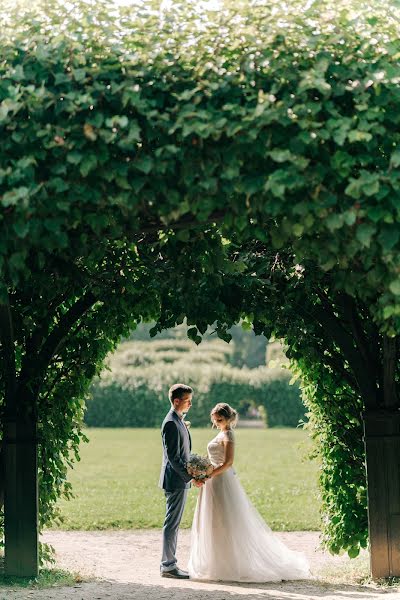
x=175, y=503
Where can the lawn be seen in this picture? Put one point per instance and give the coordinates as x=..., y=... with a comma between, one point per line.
x=115, y=483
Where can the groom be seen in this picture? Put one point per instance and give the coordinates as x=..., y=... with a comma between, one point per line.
x=174, y=479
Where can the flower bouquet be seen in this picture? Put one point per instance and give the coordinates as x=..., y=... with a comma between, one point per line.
x=199, y=467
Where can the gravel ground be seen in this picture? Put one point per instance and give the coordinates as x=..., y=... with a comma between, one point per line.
x=124, y=565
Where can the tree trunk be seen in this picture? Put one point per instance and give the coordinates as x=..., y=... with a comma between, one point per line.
x=21, y=488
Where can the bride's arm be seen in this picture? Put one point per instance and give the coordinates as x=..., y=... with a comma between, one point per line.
x=228, y=459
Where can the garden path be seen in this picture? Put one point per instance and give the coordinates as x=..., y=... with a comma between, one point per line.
x=125, y=567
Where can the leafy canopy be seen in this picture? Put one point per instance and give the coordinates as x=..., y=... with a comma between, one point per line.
x=114, y=120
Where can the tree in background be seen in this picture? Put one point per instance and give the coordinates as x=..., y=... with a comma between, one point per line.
x=249, y=349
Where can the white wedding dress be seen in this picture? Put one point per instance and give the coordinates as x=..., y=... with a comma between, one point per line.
x=230, y=541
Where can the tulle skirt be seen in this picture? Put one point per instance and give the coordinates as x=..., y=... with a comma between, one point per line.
x=230, y=541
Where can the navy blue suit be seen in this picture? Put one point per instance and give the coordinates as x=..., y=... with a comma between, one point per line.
x=174, y=480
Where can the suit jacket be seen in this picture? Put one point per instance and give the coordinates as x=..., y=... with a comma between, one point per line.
x=176, y=450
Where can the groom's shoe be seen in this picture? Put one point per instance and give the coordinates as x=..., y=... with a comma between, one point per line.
x=175, y=574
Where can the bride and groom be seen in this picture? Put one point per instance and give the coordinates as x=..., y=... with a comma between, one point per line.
x=230, y=541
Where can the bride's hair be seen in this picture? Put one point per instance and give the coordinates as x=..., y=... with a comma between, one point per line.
x=224, y=410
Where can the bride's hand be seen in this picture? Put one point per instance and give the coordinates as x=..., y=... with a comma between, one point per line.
x=197, y=483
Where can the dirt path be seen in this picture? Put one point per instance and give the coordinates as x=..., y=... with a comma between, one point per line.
x=126, y=564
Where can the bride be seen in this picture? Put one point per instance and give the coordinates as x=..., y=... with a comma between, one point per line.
x=230, y=540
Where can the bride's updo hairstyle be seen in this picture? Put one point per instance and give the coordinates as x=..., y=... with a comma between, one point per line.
x=227, y=412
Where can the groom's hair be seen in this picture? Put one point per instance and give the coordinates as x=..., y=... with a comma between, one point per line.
x=178, y=390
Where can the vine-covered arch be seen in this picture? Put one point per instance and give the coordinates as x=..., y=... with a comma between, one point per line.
x=239, y=164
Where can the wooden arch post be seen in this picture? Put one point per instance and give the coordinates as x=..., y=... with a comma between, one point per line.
x=19, y=449
x=382, y=450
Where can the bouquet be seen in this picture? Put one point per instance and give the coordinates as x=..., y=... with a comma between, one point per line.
x=199, y=467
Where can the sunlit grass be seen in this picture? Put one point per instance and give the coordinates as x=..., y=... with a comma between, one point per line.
x=116, y=482
x=46, y=578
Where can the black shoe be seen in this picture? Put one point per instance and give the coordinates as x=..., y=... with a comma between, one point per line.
x=175, y=574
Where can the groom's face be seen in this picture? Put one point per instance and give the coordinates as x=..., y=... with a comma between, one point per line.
x=183, y=404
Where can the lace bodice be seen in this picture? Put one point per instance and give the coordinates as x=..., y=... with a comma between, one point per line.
x=215, y=447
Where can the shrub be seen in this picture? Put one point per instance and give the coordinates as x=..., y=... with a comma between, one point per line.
x=132, y=396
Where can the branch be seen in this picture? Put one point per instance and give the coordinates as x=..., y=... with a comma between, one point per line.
x=334, y=361
x=188, y=221
x=337, y=366
x=350, y=313
x=335, y=329
x=36, y=366
x=62, y=372
x=60, y=375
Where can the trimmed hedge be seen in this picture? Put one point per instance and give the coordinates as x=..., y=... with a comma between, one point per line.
x=245, y=349
x=143, y=353
x=137, y=396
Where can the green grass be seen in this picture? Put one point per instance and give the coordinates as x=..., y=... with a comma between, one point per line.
x=116, y=481
x=46, y=578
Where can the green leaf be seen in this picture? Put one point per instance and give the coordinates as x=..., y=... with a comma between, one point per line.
x=79, y=74
x=327, y=265
x=138, y=184
x=395, y=158
x=359, y=136
x=183, y=235
x=364, y=234
x=284, y=155
x=88, y=163
x=122, y=182
x=367, y=184
x=350, y=217
x=389, y=236
x=74, y=157
x=62, y=78
x=334, y=221
x=17, y=261
x=377, y=213
x=280, y=156
x=342, y=163
x=192, y=334
x=394, y=287
x=58, y=184
x=118, y=121
x=353, y=552
x=144, y=164
x=21, y=229
x=278, y=238
x=19, y=74
x=14, y=196
x=391, y=310
x=298, y=229
x=276, y=186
